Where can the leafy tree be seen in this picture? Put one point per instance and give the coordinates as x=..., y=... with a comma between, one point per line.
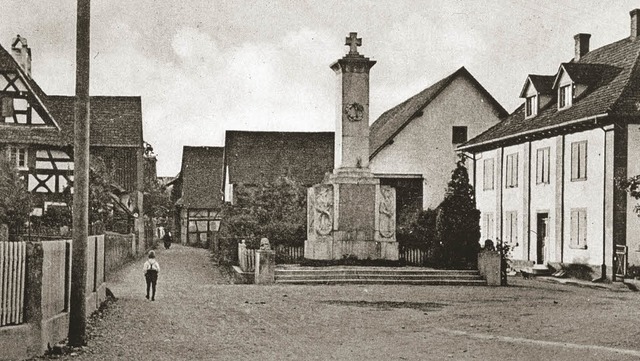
x=15, y=199
x=100, y=193
x=631, y=185
x=276, y=210
x=458, y=221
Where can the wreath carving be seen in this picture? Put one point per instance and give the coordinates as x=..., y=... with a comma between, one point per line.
x=354, y=112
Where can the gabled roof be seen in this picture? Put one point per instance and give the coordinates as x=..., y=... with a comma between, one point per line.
x=391, y=122
x=613, y=92
x=116, y=121
x=254, y=157
x=202, y=177
x=584, y=73
x=9, y=64
x=542, y=83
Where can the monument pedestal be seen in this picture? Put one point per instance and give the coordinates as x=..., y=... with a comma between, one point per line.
x=351, y=216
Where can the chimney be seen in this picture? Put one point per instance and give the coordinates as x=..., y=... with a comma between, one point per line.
x=21, y=53
x=582, y=45
x=635, y=29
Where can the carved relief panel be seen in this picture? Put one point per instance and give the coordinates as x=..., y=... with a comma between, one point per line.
x=323, y=210
x=387, y=210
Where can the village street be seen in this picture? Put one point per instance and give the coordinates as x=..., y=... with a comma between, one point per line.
x=199, y=315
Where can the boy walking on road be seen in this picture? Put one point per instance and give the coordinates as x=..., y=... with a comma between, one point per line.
x=151, y=268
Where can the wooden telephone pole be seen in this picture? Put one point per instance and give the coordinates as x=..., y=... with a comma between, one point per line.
x=77, y=309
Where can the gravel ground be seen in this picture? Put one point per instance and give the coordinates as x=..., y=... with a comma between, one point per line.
x=197, y=315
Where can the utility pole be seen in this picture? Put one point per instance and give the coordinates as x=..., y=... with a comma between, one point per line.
x=77, y=309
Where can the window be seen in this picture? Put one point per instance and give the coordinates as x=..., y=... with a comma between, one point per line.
x=459, y=135
x=564, y=97
x=488, y=173
x=488, y=227
x=579, y=161
x=511, y=227
x=578, y=228
x=511, y=180
x=18, y=156
x=542, y=166
x=7, y=107
x=531, y=106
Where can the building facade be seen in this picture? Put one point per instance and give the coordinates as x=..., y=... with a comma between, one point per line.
x=546, y=176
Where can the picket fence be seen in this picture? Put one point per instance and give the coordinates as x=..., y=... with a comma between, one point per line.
x=12, y=282
x=413, y=256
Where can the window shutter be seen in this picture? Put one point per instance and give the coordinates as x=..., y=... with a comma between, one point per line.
x=575, y=149
x=582, y=241
x=514, y=225
x=574, y=227
x=514, y=172
x=583, y=160
x=539, y=166
x=507, y=230
x=508, y=172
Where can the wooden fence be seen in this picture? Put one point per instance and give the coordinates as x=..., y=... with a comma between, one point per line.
x=413, y=256
x=289, y=254
x=12, y=278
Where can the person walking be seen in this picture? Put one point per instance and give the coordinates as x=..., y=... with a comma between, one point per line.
x=167, y=239
x=151, y=268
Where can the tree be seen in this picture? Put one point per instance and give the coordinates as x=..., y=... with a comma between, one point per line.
x=631, y=185
x=276, y=210
x=458, y=221
x=15, y=200
x=100, y=193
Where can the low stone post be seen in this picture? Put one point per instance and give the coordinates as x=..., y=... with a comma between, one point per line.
x=265, y=266
x=490, y=267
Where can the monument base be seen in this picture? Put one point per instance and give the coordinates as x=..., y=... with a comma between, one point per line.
x=351, y=216
x=329, y=249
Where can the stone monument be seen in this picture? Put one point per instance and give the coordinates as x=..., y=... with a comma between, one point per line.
x=350, y=214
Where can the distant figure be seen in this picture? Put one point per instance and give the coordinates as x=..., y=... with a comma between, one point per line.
x=489, y=246
x=167, y=239
x=151, y=268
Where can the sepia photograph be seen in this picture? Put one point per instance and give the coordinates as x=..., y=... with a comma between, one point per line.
x=319, y=180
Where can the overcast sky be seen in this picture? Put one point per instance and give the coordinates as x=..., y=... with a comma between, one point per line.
x=206, y=66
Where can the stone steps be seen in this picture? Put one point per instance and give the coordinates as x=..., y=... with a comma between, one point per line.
x=304, y=275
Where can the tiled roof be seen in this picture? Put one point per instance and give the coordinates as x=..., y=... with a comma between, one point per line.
x=395, y=119
x=116, y=121
x=202, y=177
x=254, y=157
x=613, y=79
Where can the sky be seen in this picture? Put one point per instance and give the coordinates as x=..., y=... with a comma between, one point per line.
x=206, y=66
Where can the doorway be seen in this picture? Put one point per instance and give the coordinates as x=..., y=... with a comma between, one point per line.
x=542, y=232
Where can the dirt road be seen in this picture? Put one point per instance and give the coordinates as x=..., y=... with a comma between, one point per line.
x=197, y=315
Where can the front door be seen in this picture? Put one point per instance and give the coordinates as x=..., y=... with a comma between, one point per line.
x=542, y=232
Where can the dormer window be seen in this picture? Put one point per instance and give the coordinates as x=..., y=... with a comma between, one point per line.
x=531, y=106
x=564, y=96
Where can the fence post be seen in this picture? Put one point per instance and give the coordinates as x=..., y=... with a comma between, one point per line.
x=33, y=294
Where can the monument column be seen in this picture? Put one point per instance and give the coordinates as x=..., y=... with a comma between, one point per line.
x=351, y=215
x=352, y=118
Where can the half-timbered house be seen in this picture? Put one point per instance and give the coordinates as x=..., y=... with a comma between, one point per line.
x=36, y=135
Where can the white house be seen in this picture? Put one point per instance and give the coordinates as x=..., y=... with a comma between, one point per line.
x=545, y=175
x=413, y=145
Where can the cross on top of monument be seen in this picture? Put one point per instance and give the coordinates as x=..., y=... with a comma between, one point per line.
x=354, y=42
